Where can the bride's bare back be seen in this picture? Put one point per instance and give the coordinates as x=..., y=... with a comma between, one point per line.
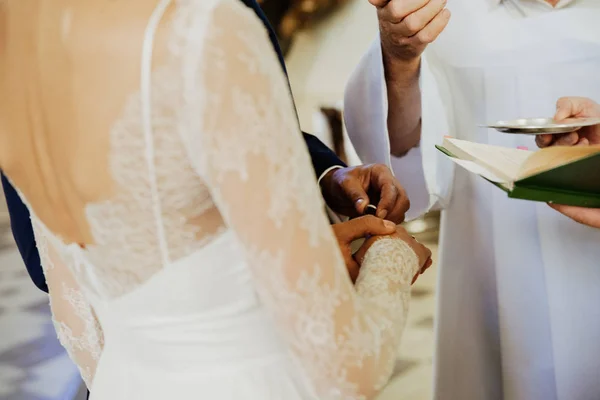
x=68, y=69
x=157, y=147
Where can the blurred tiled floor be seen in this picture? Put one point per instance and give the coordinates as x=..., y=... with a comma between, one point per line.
x=33, y=365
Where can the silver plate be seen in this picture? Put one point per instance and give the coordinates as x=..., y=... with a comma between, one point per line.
x=541, y=126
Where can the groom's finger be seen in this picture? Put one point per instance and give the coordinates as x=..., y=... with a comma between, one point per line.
x=397, y=211
x=387, y=199
x=355, y=192
x=393, y=202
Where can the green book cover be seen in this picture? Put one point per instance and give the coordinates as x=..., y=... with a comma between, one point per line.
x=576, y=183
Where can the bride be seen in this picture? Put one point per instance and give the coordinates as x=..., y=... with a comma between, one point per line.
x=183, y=237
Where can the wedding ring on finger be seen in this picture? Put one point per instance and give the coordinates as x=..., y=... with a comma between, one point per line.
x=371, y=210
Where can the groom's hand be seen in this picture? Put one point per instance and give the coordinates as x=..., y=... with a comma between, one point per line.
x=348, y=191
x=355, y=229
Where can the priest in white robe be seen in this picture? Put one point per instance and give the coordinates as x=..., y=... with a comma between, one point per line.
x=518, y=314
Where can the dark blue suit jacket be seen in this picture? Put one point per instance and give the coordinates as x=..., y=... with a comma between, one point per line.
x=23, y=233
x=322, y=159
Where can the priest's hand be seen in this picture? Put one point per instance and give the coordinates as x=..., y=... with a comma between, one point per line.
x=585, y=216
x=408, y=26
x=574, y=107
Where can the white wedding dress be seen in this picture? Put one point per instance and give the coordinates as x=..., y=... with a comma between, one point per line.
x=214, y=273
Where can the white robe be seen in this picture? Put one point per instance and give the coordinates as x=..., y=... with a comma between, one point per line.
x=518, y=313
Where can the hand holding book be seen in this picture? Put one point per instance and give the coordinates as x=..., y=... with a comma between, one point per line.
x=586, y=216
x=565, y=173
x=558, y=174
x=568, y=107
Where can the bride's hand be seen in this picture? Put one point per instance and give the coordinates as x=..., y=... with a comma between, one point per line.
x=359, y=228
x=422, y=252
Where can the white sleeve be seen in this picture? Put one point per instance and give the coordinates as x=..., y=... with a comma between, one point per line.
x=244, y=141
x=333, y=216
x=74, y=319
x=424, y=172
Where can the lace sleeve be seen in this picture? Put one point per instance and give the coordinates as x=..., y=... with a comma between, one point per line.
x=74, y=320
x=247, y=147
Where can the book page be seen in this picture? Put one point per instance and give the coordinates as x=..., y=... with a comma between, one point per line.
x=475, y=168
x=554, y=157
x=505, y=163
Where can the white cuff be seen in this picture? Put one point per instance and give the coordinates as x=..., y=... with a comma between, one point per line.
x=328, y=170
x=335, y=217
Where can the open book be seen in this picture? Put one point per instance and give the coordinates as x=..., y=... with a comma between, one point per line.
x=561, y=175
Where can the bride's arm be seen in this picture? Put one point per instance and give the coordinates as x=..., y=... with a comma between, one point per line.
x=74, y=320
x=247, y=146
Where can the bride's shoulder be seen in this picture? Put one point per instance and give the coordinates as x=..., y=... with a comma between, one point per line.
x=211, y=7
x=227, y=11
x=230, y=23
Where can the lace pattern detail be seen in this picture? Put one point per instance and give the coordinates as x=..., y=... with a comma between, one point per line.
x=127, y=253
x=385, y=259
x=89, y=339
x=127, y=250
x=253, y=158
x=288, y=189
x=76, y=325
x=86, y=340
x=386, y=273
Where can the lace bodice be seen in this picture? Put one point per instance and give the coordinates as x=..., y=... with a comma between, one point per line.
x=211, y=144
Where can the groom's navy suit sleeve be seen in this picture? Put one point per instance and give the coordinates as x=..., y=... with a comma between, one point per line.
x=322, y=159
x=23, y=233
